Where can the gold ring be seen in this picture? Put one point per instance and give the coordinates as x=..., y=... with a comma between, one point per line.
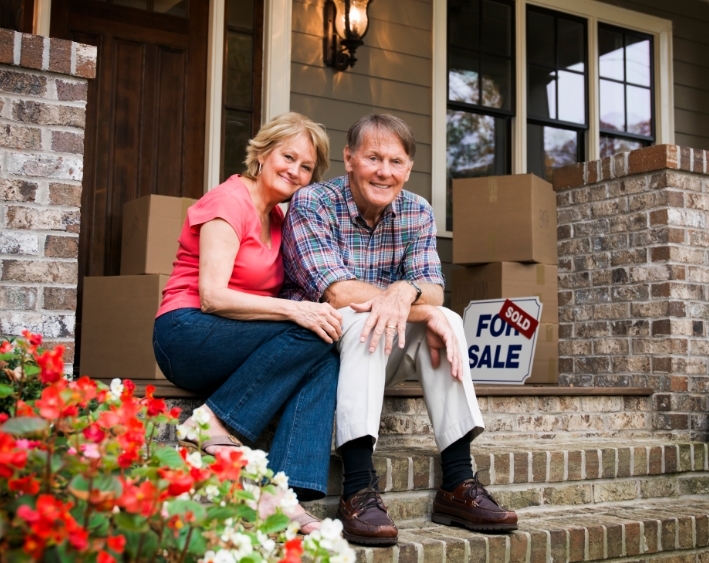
x=391, y=326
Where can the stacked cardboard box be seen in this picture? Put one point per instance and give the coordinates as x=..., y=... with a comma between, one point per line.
x=118, y=311
x=504, y=232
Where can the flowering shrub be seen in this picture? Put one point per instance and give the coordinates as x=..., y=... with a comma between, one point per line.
x=84, y=480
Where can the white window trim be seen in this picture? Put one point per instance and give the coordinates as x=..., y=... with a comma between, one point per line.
x=276, y=76
x=594, y=12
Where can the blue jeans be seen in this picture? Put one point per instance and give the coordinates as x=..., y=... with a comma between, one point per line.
x=252, y=369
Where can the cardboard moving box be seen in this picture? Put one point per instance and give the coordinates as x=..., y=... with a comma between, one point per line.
x=504, y=219
x=117, y=326
x=546, y=356
x=507, y=279
x=151, y=227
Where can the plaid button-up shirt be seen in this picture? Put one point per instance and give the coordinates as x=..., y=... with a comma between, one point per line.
x=326, y=240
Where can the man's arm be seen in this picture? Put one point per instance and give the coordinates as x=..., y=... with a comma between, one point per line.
x=344, y=293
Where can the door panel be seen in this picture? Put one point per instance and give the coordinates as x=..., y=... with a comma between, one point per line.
x=145, y=116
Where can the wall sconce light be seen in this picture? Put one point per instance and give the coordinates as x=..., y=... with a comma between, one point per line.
x=346, y=23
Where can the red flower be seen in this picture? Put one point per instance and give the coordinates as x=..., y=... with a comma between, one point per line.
x=117, y=543
x=3, y=417
x=10, y=457
x=228, y=464
x=52, y=365
x=156, y=407
x=23, y=409
x=28, y=485
x=178, y=482
x=175, y=412
x=142, y=499
x=94, y=433
x=104, y=557
x=51, y=405
x=51, y=523
x=6, y=347
x=33, y=339
x=294, y=549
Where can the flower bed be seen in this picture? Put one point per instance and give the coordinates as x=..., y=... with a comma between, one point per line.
x=84, y=479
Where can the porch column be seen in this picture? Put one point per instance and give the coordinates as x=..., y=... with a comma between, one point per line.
x=633, y=274
x=43, y=91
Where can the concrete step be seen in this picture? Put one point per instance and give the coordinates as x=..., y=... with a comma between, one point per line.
x=541, y=473
x=660, y=531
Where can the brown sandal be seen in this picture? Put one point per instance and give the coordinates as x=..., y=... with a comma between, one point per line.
x=305, y=518
x=226, y=440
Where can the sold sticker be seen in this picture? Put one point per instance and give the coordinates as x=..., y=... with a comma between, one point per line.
x=500, y=349
x=518, y=319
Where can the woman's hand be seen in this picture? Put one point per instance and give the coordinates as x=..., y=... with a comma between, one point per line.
x=440, y=335
x=321, y=318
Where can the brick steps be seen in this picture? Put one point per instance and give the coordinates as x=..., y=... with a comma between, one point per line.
x=660, y=531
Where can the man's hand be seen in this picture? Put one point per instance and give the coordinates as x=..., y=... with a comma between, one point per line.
x=388, y=313
x=439, y=335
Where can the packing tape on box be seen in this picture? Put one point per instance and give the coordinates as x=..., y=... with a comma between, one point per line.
x=541, y=274
x=492, y=189
x=550, y=333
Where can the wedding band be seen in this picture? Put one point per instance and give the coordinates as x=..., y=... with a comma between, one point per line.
x=391, y=326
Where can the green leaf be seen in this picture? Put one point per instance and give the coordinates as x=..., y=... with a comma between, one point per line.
x=130, y=522
x=98, y=524
x=275, y=523
x=184, y=506
x=148, y=542
x=198, y=544
x=104, y=487
x=169, y=457
x=6, y=390
x=25, y=425
x=243, y=495
x=31, y=370
x=245, y=513
x=221, y=513
x=253, y=558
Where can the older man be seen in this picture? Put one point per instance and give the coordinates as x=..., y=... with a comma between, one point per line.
x=368, y=247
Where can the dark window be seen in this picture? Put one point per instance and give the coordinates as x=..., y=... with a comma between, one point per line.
x=557, y=82
x=481, y=94
x=170, y=7
x=626, y=93
x=17, y=15
x=242, y=81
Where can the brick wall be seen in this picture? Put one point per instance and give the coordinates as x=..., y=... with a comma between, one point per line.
x=633, y=280
x=43, y=91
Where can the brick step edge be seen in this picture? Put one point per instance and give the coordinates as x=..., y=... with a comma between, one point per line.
x=415, y=470
x=668, y=532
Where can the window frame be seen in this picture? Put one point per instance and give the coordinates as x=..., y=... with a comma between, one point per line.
x=594, y=12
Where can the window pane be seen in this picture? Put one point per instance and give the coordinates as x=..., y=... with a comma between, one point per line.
x=637, y=63
x=239, y=70
x=610, y=52
x=497, y=77
x=614, y=145
x=464, y=24
x=612, y=106
x=240, y=13
x=540, y=39
x=477, y=145
x=550, y=148
x=463, y=76
x=572, y=97
x=570, y=44
x=496, y=29
x=639, y=111
x=171, y=7
x=237, y=132
x=542, y=92
x=138, y=4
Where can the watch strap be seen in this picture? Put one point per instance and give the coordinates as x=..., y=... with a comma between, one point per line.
x=417, y=288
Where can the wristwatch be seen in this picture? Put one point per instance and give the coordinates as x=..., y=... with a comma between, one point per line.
x=417, y=288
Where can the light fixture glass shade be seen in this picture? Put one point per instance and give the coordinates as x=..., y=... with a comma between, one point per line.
x=358, y=19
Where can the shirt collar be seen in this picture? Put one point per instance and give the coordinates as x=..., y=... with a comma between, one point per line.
x=391, y=210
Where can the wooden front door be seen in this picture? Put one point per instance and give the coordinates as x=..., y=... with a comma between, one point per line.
x=145, y=116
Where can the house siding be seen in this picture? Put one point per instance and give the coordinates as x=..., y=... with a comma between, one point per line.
x=393, y=74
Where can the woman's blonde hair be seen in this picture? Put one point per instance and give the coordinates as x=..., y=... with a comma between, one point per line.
x=284, y=128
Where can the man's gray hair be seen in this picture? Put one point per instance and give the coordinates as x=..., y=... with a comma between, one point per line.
x=382, y=122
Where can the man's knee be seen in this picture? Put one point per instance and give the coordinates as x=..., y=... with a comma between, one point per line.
x=453, y=318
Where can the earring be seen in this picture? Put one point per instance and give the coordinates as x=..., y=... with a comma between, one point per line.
x=259, y=168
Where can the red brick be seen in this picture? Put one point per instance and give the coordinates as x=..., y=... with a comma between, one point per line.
x=502, y=468
x=698, y=161
x=556, y=467
x=607, y=168
x=72, y=91
x=624, y=462
x=408, y=553
x=592, y=464
x=614, y=541
x=518, y=547
x=577, y=544
x=593, y=171
x=539, y=467
x=559, y=546
x=595, y=543
x=669, y=534
x=684, y=535
x=85, y=61
x=7, y=46
x=538, y=552
x=60, y=55
x=702, y=530
x=574, y=466
x=478, y=549
x=64, y=141
x=632, y=539
x=678, y=383
x=650, y=533
x=657, y=157
x=569, y=177
x=32, y=51
x=497, y=547
x=608, y=463
x=670, y=459
x=521, y=472
x=685, y=159
x=655, y=466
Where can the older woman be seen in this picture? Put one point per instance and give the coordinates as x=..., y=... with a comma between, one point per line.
x=221, y=329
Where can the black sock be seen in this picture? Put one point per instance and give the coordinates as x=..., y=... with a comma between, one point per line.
x=357, y=466
x=456, y=464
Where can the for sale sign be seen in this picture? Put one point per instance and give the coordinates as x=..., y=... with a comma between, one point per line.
x=502, y=336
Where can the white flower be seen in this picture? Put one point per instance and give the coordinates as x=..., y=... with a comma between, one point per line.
x=225, y=556
x=242, y=546
x=256, y=461
x=330, y=529
x=183, y=496
x=116, y=390
x=347, y=555
x=185, y=432
x=208, y=557
x=256, y=492
x=292, y=530
x=195, y=460
x=267, y=543
x=201, y=415
x=211, y=492
x=289, y=500
x=280, y=479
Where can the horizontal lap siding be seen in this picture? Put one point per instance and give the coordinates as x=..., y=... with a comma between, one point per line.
x=690, y=24
x=392, y=74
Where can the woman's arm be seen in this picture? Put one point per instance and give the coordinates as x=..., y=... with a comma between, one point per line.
x=218, y=247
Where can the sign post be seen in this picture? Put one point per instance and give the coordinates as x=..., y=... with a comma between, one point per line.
x=502, y=337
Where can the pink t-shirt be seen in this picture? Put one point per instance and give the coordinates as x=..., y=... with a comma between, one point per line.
x=257, y=268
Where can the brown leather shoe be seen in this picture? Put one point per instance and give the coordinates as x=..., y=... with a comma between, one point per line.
x=471, y=506
x=365, y=519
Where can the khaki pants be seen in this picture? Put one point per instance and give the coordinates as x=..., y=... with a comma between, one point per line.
x=452, y=405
